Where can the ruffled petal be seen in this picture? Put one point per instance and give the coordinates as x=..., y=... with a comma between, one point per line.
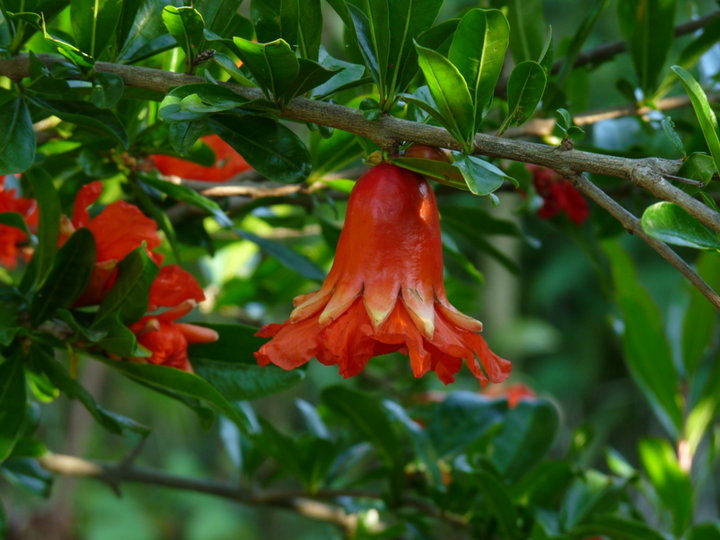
x=307, y=305
x=293, y=344
x=87, y=195
x=120, y=228
x=172, y=286
x=458, y=318
x=400, y=329
x=342, y=298
x=347, y=342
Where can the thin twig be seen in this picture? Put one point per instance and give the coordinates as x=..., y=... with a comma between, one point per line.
x=306, y=504
x=542, y=127
x=633, y=225
x=608, y=50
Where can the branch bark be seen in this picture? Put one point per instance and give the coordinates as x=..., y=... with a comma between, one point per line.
x=308, y=505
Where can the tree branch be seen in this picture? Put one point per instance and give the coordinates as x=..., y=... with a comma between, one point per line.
x=633, y=225
x=308, y=505
x=608, y=50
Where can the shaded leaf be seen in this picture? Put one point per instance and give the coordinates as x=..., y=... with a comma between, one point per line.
x=672, y=224
x=17, y=138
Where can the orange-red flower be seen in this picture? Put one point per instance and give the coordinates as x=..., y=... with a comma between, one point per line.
x=559, y=195
x=11, y=239
x=168, y=340
x=228, y=163
x=172, y=286
x=385, y=292
x=118, y=229
x=515, y=393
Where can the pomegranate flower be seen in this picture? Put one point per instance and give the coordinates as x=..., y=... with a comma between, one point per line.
x=228, y=163
x=559, y=195
x=385, y=292
x=168, y=340
x=11, y=239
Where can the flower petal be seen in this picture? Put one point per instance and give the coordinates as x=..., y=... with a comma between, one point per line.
x=120, y=228
x=292, y=345
x=418, y=300
x=172, y=286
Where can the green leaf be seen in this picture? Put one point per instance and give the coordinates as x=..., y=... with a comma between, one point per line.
x=273, y=65
x=107, y=90
x=525, y=90
x=189, y=196
x=288, y=257
x=498, y=501
x=310, y=75
x=527, y=434
x=450, y=91
x=236, y=344
x=669, y=128
x=49, y=224
x=482, y=178
x=672, y=224
x=17, y=138
x=646, y=349
x=649, y=28
x=178, y=382
x=589, y=496
x=70, y=274
x=146, y=36
x=93, y=23
x=705, y=531
x=28, y=475
x=544, y=485
x=697, y=166
x=87, y=116
x=672, y=485
x=15, y=220
x=445, y=172
x=61, y=378
x=701, y=320
x=478, y=51
x=617, y=528
x=117, y=339
x=304, y=18
x=186, y=25
x=527, y=28
x=245, y=382
x=268, y=146
x=12, y=403
x=128, y=297
x=703, y=111
x=372, y=29
x=369, y=418
x=194, y=101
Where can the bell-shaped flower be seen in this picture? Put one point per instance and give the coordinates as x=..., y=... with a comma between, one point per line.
x=228, y=163
x=385, y=292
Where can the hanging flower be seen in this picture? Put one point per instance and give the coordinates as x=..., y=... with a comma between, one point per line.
x=559, y=195
x=172, y=286
x=228, y=163
x=11, y=238
x=385, y=292
x=168, y=340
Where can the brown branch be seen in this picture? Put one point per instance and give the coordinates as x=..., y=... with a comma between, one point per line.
x=306, y=504
x=633, y=225
x=542, y=127
x=608, y=50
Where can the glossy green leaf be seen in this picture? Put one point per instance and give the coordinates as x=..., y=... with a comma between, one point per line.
x=593, y=494
x=94, y=23
x=527, y=28
x=61, y=378
x=186, y=25
x=128, y=297
x=444, y=172
x=697, y=166
x=287, y=256
x=236, y=344
x=703, y=111
x=525, y=89
x=268, y=146
x=190, y=196
x=70, y=274
x=372, y=29
x=87, y=116
x=273, y=65
x=194, y=101
x=616, y=527
x=645, y=346
x=481, y=177
x=245, y=382
x=107, y=90
x=497, y=500
x=12, y=403
x=146, y=36
x=369, y=418
x=672, y=224
x=463, y=419
x=669, y=128
x=478, y=51
x=178, y=382
x=672, y=485
x=527, y=434
x=450, y=91
x=304, y=17
x=17, y=138
x=310, y=75
x=649, y=28
x=117, y=339
x=49, y=224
